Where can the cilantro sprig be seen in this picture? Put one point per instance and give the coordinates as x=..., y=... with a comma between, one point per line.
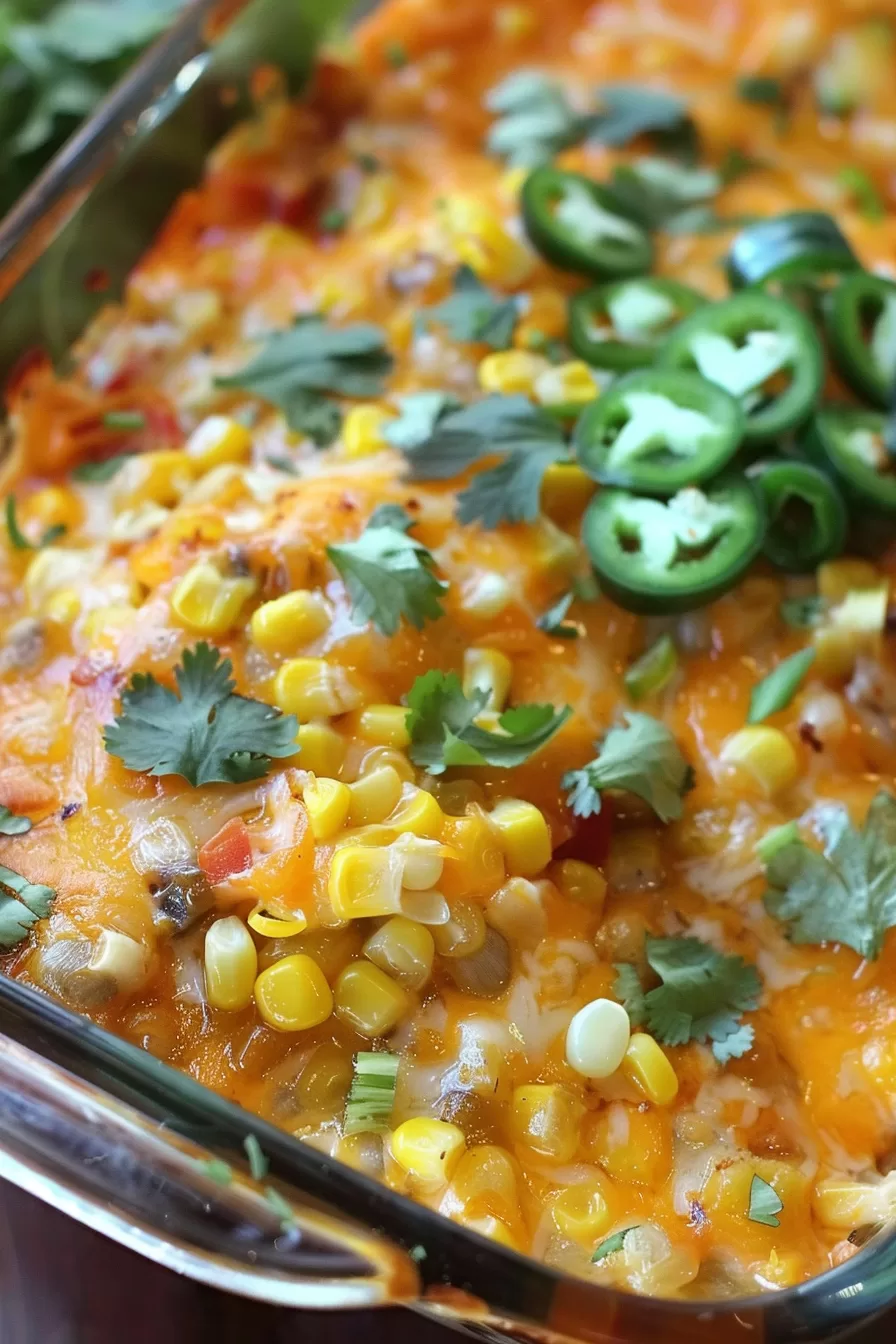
x=641, y=757
x=702, y=996
x=845, y=893
x=418, y=415
x=444, y=732
x=22, y=904
x=524, y=437
x=765, y=1203
x=11, y=824
x=205, y=732
x=298, y=369
x=473, y=313
x=388, y=574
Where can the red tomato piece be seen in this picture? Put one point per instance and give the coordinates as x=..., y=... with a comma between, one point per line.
x=229, y=851
x=590, y=841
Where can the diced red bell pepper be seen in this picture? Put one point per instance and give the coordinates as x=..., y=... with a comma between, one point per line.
x=590, y=841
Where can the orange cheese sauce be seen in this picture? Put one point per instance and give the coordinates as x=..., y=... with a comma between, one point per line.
x=391, y=136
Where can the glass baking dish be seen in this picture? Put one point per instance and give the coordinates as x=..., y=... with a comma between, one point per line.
x=118, y=1139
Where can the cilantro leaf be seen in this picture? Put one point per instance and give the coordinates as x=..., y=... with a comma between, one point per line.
x=17, y=537
x=765, y=1203
x=644, y=759
x=389, y=575
x=207, y=734
x=701, y=998
x=629, y=989
x=655, y=192
x=511, y=491
x=736, y=164
x=91, y=30
x=762, y=89
x=10, y=824
x=610, y=1245
x=535, y=119
x=296, y=368
x=473, y=313
x=627, y=111
x=22, y=904
x=419, y=413
x=494, y=426
x=444, y=732
x=776, y=691
x=847, y=892
x=554, y=623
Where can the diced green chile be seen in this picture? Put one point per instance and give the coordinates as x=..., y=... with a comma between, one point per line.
x=669, y=557
x=849, y=442
x=578, y=225
x=806, y=516
x=742, y=343
x=618, y=326
x=860, y=319
x=657, y=431
x=802, y=246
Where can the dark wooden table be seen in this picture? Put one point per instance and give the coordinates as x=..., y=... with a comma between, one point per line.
x=63, y=1284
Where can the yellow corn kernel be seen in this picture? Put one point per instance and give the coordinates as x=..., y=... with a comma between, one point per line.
x=293, y=994
x=850, y=1204
x=56, y=568
x=429, y=1150
x=493, y=1228
x=63, y=606
x=648, y=1068
x=490, y=671
x=579, y=881
x=783, y=1269
x=231, y=964
x=208, y=602
x=485, y=1183
x=368, y=1000
x=836, y=650
x=103, y=625
x=321, y=749
x=386, y=725
x=464, y=934
x=836, y=578
x=524, y=836
x=54, y=506
x=362, y=431
x=514, y=21
x=364, y=880
x=545, y=313
x=269, y=927
x=403, y=949
x=516, y=910
x=565, y=491
x=479, y=238
x=219, y=439
x=583, y=1212
x=765, y=753
x=153, y=478
x=312, y=688
x=375, y=203
x=417, y=813
x=374, y=796
x=421, y=860
x=546, y=1118
x=327, y=803
x=631, y=1145
x=571, y=384
x=478, y=869
x=287, y=623
x=510, y=371
x=555, y=552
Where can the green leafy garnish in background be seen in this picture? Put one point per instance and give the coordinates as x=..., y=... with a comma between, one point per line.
x=22, y=904
x=206, y=734
x=641, y=757
x=94, y=473
x=57, y=61
x=444, y=732
x=10, y=824
x=299, y=369
x=702, y=996
x=389, y=576
x=473, y=313
x=418, y=415
x=845, y=893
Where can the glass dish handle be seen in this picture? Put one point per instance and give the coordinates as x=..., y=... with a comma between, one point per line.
x=100, y=1161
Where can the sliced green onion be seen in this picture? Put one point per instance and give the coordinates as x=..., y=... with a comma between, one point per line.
x=776, y=691
x=124, y=420
x=776, y=839
x=258, y=1163
x=95, y=472
x=653, y=670
x=17, y=538
x=372, y=1094
x=281, y=1208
